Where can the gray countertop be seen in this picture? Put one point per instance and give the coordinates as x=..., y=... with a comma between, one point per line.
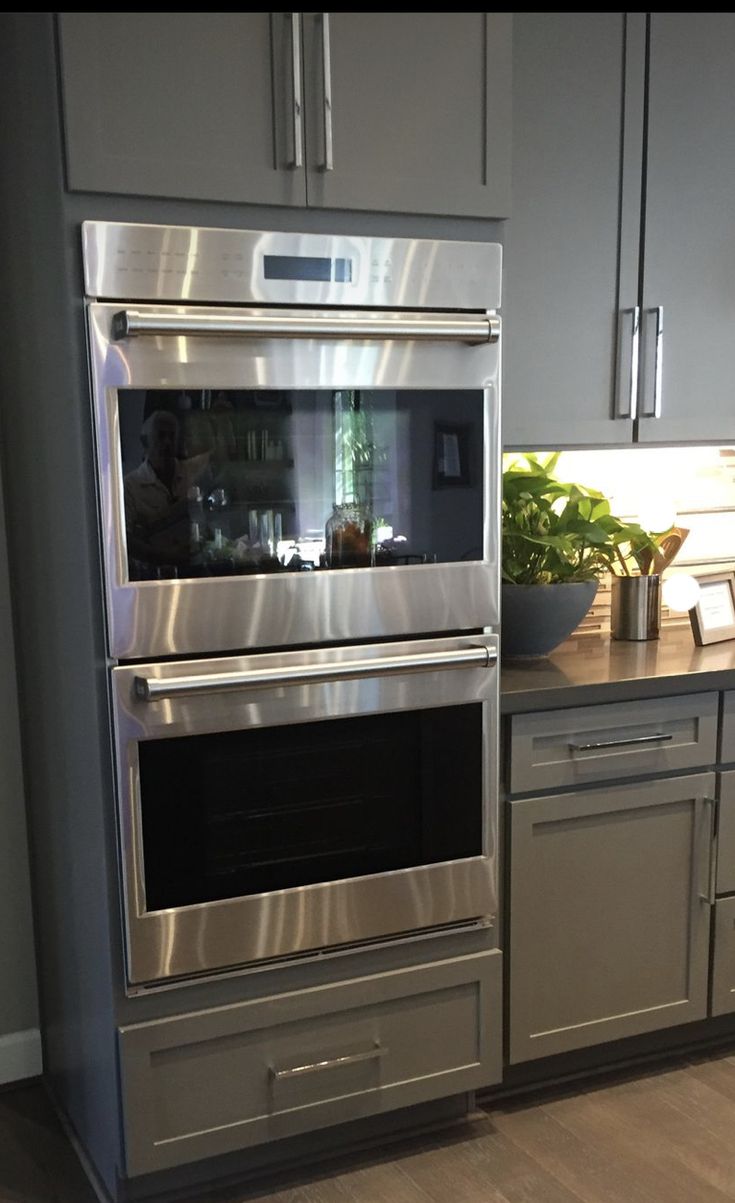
x=595, y=668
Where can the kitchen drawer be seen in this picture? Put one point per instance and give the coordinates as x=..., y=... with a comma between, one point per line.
x=727, y=741
x=723, y=964
x=202, y=1084
x=726, y=835
x=598, y=743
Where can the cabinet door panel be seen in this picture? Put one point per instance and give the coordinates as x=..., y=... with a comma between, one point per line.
x=608, y=914
x=689, y=264
x=179, y=104
x=723, y=965
x=571, y=248
x=726, y=835
x=420, y=112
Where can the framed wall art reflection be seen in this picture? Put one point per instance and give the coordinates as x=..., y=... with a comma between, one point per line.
x=451, y=455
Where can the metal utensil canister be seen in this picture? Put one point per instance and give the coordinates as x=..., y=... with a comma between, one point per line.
x=636, y=607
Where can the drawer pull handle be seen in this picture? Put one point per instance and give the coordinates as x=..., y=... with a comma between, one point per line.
x=295, y=1071
x=621, y=743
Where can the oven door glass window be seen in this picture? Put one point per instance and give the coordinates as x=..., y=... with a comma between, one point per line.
x=253, y=811
x=229, y=482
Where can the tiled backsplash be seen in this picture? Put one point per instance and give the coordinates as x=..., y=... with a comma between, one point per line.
x=696, y=485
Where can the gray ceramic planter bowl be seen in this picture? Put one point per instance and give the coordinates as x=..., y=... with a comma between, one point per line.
x=537, y=618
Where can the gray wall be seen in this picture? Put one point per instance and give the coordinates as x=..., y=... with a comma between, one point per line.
x=18, y=1006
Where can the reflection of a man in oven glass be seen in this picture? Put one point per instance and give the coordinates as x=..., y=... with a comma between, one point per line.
x=156, y=507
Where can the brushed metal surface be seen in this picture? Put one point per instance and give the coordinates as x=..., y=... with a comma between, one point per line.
x=201, y=938
x=375, y=1053
x=177, y=617
x=188, y=264
x=328, y=164
x=150, y=690
x=297, y=95
x=284, y=323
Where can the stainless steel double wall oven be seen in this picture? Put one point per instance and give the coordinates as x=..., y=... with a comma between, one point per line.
x=298, y=467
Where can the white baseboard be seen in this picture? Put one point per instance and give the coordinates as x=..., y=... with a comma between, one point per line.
x=20, y=1056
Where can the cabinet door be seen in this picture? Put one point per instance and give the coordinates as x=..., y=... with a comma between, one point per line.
x=415, y=108
x=609, y=917
x=193, y=105
x=571, y=248
x=689, y=264
x=723, y=961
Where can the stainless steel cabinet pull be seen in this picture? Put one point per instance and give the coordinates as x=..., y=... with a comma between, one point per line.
x=298, y=145
x=656, y=411
x=444, y=327
x=711, y=895
x=327, y=84
x=295, y=1071
x=150, y=689
x=627, y=407
x=621, y=743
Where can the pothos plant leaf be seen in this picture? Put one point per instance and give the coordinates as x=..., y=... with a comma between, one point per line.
x=555, y=531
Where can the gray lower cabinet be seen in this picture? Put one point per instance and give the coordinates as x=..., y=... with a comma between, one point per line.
x=202, y=1084
x=723, y=963
x=726, y=835
x=400, y=112
x=723, y=951
x=550, y=749
x=609, y=913
x=727, y=728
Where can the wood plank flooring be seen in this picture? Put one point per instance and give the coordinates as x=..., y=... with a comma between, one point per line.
x=655, y=1135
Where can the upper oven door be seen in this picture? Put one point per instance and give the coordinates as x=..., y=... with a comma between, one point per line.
x=274, y=477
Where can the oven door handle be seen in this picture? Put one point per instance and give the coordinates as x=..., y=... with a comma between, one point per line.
x=442, y=327
x=151, y=689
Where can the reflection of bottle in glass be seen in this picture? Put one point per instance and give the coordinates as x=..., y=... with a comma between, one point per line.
x=349, y=536
x=196, y=518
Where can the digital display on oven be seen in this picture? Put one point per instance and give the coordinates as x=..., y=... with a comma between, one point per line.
x=307, y=267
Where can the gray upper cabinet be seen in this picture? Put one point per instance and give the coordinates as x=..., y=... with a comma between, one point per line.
x=400, y=112
x=588, y=245
x=571, y=248
x=689, y=259
x=191, y=105
x=419, y=119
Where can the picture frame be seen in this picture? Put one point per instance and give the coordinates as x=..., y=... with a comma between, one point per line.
x=713, y=617
x=451, y=455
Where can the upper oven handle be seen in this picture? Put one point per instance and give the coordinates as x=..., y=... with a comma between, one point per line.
x=445, y=327
x=151, y=689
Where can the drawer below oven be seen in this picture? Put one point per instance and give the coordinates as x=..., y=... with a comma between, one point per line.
x=212, y=1082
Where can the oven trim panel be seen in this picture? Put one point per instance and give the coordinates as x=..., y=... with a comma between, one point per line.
x=221, y=936
x=148, y=619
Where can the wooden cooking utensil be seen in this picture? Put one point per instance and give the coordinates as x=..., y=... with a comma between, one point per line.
x=669, y=548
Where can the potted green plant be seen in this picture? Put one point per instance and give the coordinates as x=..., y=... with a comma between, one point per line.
x=557, y=540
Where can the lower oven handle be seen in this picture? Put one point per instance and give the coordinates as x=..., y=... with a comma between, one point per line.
x=444, y=327
x=151, y=689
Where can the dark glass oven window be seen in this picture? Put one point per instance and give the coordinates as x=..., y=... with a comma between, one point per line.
x=230, y=482
x=247, y=812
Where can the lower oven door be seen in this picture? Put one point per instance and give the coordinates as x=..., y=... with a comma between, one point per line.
x=278, y=804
